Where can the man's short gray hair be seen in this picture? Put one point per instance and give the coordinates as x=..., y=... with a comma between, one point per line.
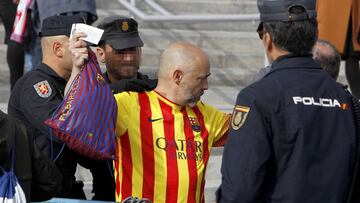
x=329, y=59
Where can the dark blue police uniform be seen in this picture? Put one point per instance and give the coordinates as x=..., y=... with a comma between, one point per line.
x=35, y=97
x=33, y=100
x=292, y=138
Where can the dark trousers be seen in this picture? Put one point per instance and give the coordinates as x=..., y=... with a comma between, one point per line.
x=66, y=163
x=102, y=172
x=103, y=178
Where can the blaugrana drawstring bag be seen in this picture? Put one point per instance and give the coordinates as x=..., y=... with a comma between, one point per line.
x=85, y=120
x=10, y=190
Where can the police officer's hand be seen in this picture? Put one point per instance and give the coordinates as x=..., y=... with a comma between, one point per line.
x=78, y=50
x=79, y=54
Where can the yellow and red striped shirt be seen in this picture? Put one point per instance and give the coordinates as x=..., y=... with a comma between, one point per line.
x=163, y=148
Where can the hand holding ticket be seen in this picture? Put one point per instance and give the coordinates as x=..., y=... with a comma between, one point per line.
x=93, y=34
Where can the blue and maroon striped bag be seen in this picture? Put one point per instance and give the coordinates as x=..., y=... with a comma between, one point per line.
x=85, y=120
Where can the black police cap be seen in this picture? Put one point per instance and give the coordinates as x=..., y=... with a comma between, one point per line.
x=59, y=25
x=120, y=32
x=278, y=10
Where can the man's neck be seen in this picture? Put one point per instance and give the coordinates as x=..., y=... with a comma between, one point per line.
x=276, y=53
x=167, y=92
x=55, y=67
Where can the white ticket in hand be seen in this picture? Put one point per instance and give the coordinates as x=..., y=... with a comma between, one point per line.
x=93, y=34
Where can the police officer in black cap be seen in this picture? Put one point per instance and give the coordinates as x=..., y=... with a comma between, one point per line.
x=292, y=136
x=120, y=50
x=38, y=93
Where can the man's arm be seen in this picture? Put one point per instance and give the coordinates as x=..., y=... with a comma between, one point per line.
x=79, y=53
x=37, y=107
x=224, y=132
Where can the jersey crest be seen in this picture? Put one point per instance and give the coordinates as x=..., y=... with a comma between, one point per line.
x=43, y=89
x=239, y=116
x=195, y=125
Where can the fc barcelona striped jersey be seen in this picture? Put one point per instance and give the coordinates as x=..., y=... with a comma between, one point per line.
x=163, y=148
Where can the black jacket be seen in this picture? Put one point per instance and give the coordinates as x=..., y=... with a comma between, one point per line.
x=33, y=105
x=292, y=138
x=37, y=175
x=34, y=98
x=140, y=84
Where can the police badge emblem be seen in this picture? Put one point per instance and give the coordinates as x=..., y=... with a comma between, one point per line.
x=125, y=26
x=239, y=116
x=43, y=89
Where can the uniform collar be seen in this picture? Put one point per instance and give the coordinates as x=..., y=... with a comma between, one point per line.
x=292, y=61
x=106, y=77
x=49, y=71
x=138, y=76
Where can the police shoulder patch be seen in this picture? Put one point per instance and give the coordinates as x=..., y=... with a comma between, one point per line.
x=239, y=116
x=43, y=89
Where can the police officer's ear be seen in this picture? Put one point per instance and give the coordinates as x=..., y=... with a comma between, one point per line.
x=267, y=41
x=58, y=49
x=177, y=76
x=101, y=54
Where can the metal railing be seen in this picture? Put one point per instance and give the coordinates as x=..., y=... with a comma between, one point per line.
x=166, y=16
